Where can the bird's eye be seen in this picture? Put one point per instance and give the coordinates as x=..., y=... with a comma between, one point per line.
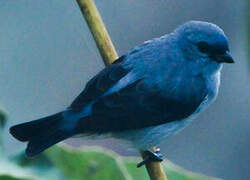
x=203, y=47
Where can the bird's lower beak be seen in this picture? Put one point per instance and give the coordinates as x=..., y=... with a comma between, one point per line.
x=224, y=58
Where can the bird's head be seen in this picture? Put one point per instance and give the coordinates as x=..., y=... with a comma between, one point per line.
x=204, y=43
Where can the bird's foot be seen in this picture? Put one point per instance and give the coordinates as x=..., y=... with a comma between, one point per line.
x=151, y=156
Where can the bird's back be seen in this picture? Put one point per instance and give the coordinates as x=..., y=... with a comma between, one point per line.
x=149, y=89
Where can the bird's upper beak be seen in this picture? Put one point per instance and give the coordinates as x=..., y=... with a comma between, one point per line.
x=224, y=58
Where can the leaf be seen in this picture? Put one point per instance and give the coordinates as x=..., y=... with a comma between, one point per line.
x=93, y=164
x=99, y=163
x=65, y=163
x=173, y=171
x=11, y=171
x=40, y=166
x=9, y=177
x=136, y=173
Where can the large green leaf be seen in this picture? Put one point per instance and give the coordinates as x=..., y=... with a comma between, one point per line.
x=63, y=162
x=11, y=171
x=173, y=171
x=41, y=167
x=94, y=164
x=9, y=177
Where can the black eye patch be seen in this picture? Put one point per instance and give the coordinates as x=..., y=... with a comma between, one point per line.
x=206, y=48
x=203, y=47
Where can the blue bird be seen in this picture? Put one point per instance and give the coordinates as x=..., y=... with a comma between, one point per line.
x=145, y=96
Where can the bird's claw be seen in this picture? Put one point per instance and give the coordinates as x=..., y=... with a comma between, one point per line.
x=151, y=156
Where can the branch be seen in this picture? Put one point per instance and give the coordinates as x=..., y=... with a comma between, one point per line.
x=98, y=30
x=108, y=53
x=155, y=170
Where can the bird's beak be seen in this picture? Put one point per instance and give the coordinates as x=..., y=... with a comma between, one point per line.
x=224, y=58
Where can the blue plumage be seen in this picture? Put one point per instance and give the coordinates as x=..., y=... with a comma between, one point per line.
x=42, y=133
x=148, y=94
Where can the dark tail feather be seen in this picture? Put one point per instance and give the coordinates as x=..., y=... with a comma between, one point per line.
x=42, y=133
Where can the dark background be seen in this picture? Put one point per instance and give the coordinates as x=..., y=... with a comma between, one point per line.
x=47, y=55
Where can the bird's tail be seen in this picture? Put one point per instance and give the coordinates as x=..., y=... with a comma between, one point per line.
x=42, y=133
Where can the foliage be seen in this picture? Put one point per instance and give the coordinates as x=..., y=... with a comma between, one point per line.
x=62, y=162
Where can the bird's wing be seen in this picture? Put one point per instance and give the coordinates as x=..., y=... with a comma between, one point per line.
x=122, y=96
x=99, y=84
x=134, y=107
x=106, y=79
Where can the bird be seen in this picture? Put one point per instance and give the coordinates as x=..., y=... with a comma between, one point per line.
x=145, y=96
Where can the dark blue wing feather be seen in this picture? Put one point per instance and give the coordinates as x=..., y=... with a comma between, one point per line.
x=133, y=107
x=144, y=101
x=99, y=84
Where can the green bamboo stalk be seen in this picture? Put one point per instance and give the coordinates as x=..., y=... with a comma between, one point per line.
x=98, y=30
x=108, y=53
x=155, y=170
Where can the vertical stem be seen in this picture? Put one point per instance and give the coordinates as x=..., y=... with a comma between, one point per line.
x=108, y=53
x=155, y=170
x=98, y=30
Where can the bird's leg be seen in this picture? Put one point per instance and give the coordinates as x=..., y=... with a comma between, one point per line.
x=151, y=156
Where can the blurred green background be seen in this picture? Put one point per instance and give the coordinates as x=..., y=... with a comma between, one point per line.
x=48, y=55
